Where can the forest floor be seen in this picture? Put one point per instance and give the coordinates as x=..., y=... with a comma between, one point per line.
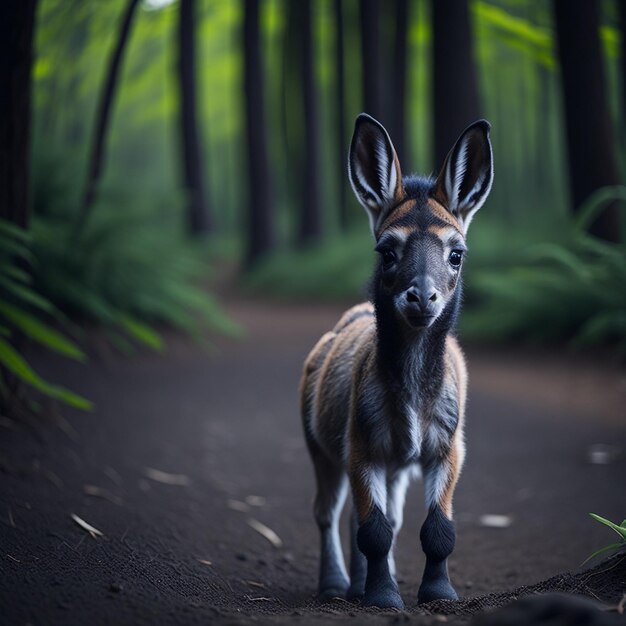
x=224, y=427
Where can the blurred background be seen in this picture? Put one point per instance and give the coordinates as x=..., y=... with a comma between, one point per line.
x=158, y=152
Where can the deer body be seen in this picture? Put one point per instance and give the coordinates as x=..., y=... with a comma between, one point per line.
x=383, y=393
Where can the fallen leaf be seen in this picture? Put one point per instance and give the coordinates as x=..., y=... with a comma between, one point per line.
x=268, y=533
x=495, y=521
x=165, y=477
x=94, y=532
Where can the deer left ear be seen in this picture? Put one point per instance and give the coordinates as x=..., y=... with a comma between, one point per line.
x=467, y=173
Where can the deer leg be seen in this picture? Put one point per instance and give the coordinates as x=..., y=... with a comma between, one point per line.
x=396, y=494
x=329, y=500
x=358, y=563
x=438, y=534
x=374, y=536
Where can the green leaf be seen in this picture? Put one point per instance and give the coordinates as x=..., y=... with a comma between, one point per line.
x=620, y=530
x=16, y=273
x=14, y=231
x=142, y=332
x=16, y=364
x=27, y=295
x=41, y=333
x=613, y=546
x=596, y=203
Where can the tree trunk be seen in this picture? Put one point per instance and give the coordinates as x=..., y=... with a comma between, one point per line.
x=17, y=19
x=398, y=88
x=622, y=23
x=455, y=90
x=590, y=138
x=260, y=223
x=342, y=140
x=310, y=228
x=371, y=58
x=198, y=215
x=105, y=105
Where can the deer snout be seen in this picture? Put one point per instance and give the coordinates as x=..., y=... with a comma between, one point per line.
x=420, y=304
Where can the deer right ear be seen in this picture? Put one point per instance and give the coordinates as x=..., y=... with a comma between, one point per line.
x=374, y=170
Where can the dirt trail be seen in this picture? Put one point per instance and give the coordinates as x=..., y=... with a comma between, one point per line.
x=226, y=422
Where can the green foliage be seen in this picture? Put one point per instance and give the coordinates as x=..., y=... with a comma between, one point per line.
x=619, y=546
x=336, y=271
x=18, y=301
x=569, y=288
x=127, y=271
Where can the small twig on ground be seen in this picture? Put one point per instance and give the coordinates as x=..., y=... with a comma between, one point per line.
x=94, y=532
x=11, y=520
x=268, y=533
x=253, y=583
x=13, y=558
x=204, y=562
x=165, y=477
x=260, y=599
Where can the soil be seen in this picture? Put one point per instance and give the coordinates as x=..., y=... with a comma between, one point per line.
x=223, y=425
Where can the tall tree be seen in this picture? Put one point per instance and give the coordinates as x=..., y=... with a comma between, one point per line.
x=371, y=65
x=455, y=89
x=342, y=140
x=590, y=139
x=261, y=221
x=310, y=227
x=17, y=19
x=622, y=23
x=103, y=115
x=198, y=215
x=397, y=117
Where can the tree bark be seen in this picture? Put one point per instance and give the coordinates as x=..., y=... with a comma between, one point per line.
x=398, y=74
x=590, y=138
x=455, y=89
x=622, y=26
x=260, y=222
x=371, y=65
x=342, y=140
x=105, y=106
x=17, y=20
x=310, y=228
x=198, y=215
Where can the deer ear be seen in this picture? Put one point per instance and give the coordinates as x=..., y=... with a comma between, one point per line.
x=467, y=173
x=374, y=170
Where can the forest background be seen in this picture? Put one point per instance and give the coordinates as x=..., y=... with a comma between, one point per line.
x=157, y=151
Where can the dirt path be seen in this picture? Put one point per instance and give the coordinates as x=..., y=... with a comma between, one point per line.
x=227, y=422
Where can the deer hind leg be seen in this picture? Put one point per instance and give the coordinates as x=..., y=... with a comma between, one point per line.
x=329, y=499
x=374, y=536
x=438, y=535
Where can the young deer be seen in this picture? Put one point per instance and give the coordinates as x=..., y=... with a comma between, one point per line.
x=383, y=393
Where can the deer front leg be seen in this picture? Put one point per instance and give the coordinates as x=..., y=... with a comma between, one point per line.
x=375, y=535
x=438, y=534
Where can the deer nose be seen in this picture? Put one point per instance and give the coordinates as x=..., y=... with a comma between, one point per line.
x=415, y=295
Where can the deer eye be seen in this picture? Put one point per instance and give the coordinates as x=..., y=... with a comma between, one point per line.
x=389, y=258
x=455, y=258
